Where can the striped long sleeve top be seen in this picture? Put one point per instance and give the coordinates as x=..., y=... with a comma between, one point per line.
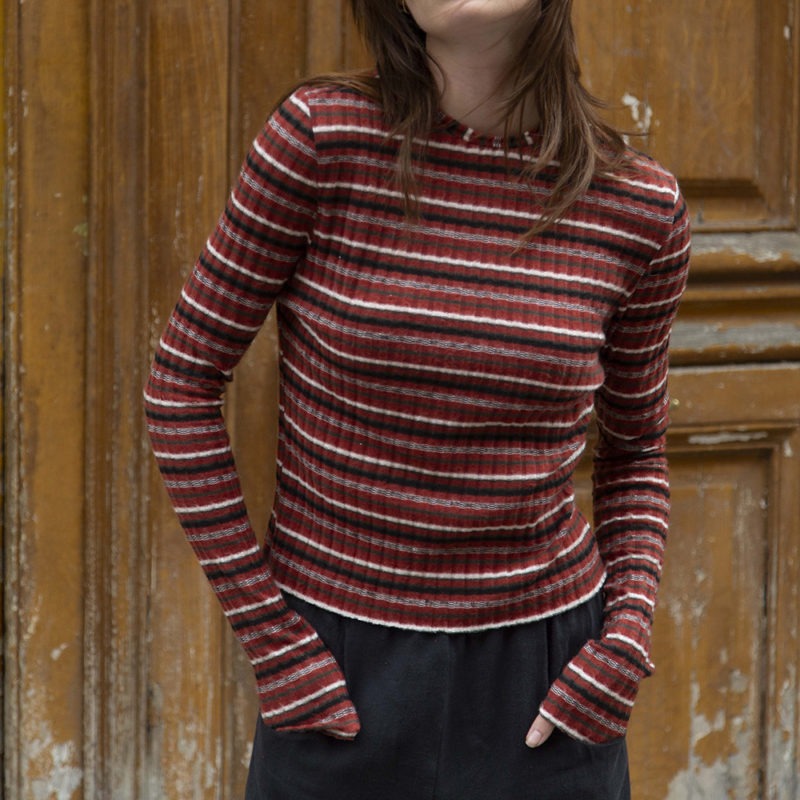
x=437, y=379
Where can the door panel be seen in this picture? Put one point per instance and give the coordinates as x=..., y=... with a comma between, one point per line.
x=125, y=125
x=713, y=87
x=706, y=724
x=45, y=390
x=187, y=105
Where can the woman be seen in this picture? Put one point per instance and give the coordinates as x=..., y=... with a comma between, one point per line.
x=466, y=263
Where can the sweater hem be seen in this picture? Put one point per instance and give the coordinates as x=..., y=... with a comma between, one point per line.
x=453, y=628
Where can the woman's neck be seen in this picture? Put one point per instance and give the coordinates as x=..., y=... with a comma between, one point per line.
x=473, y=79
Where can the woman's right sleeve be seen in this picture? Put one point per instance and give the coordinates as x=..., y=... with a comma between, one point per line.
x=253, y=251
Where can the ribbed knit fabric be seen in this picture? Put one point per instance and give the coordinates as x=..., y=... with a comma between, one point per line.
x=437, y=380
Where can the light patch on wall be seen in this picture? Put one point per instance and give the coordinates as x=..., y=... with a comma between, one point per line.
x=702, y=781
x=701, y=725
x=204, y=756
x=641, y=112
x=57, y=652
x=728, y=437
x=781, y=769
x=62, y=778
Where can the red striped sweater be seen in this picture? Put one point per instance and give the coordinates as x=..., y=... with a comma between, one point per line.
x=437, y=381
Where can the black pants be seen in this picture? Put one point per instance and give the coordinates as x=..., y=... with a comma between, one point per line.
x=443, y=717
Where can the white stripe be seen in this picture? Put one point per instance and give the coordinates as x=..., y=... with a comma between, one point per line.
x=157, y=401
x=240, y=269
x=425, y=312
x=439, y=370
x=445, y=448
x=205, y=562
x=183, y=356
x=671, y=255
x=495, y=152
x=407, y=467
x=402, y=415
x=209, y=507
x=376, y=132
x=399, y=520
x=419, y=256
x=564, y=727
x=447, y=576
x=450, y=550
x=467, y=147
x=628, y=518
x=610, y=231
x=282, y=650
x=471, y=148
x=633, y=557
x=633, y=395
x=588, y=711
x=627, y=640
x=305, y=699
x=302, y=105
x=654, y=479
x=191, y=455
x=391, y=623
x=634, y=596
x=218, y=317
x=493, y=211
x=233, y=612
x=651, y=187
x=267, y=222
x=636, y=351
x=281, y=167
x=601, y=686
x=655, y=304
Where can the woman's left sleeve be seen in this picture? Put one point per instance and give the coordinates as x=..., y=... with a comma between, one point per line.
x=593, y=698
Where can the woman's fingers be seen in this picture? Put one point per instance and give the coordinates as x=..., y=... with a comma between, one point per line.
x=539, y=732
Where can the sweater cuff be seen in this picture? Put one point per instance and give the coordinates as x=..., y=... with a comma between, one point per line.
x=593, y=698
x=300, y=685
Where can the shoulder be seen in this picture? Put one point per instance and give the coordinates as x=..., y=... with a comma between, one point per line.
x=642, y=194
x=638, y=208
x=329, y=104
x=645, y=179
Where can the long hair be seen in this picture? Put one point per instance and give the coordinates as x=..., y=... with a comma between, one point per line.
x=571, y=130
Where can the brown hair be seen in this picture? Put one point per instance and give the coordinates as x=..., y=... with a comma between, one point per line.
x=547, y=69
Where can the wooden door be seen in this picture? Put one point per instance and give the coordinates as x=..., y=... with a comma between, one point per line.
x=712, y=89
x=125, y=123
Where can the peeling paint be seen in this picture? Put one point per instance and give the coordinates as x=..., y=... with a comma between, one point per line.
x=695, y=611
x=758, y=246
x=725, y=776
x=247, y=754
x=702, y=783
x=203, y=774
x=727, y=437
x=739, y=682
x=62, y=777
x=81, y=230
x=57, y=652
x=641, y=112
x=782, y=768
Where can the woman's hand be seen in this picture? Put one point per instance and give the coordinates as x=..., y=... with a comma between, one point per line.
x=539, y=732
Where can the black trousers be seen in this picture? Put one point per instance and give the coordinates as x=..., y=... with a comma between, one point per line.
x=443, y=717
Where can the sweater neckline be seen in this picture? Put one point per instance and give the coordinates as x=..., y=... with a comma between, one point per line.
x=459, y=130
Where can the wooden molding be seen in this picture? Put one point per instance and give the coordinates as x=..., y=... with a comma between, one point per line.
x=742, y=304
